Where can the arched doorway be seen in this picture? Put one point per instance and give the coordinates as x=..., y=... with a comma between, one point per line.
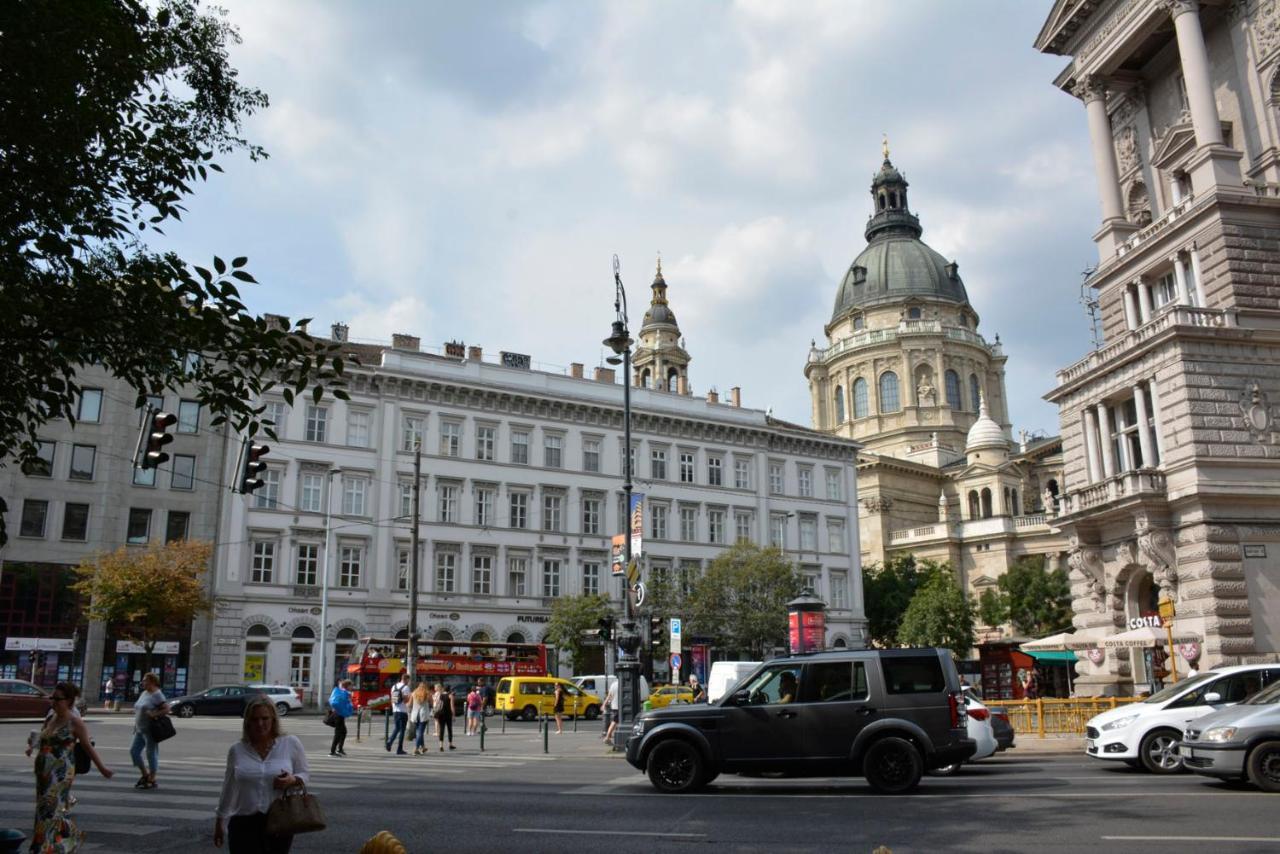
x=517, y=637
x=301, y=657
x=257, y=643
x=343, y=645
x=1142, y=607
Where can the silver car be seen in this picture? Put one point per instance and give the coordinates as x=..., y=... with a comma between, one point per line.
x=1239, y=742
x=285, y=698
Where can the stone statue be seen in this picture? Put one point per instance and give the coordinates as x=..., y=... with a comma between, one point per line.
x=925, y=394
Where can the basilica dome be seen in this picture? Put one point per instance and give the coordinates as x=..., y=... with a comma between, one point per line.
x=985, y=432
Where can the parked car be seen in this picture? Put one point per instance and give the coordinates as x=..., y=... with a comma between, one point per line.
x=666, y=695
x=1237, y=743
x=527, y=697
x=979, y=728
x=218, y=700
x=884, y=714
x=1146, y=734
x=286, y=698
x=1002, y=728
x=22, y=699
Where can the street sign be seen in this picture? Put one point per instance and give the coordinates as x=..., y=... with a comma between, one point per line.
x=633, y=571
x=675, y=666
x=675, y=634
x=639, y=591
x=1167, y=611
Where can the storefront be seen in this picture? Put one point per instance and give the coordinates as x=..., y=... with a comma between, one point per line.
x=44, y=661
x=124, y=665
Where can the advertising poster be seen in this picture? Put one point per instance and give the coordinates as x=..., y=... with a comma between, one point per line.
x=698, y=662
x=617, y=561
x=637, y=523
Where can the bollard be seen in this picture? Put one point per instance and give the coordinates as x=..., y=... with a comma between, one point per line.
x=386, y=727
x=483, y=728
x=546, y=735
x=504, y=723
x=575, y=722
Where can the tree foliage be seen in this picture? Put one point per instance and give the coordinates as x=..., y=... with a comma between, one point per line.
x=110, y=112
x=571, y=616
x=741, y=599
x=145, y=595
x=888, y=589
x=993, y=609
x=1036, y=602
x=940, y=614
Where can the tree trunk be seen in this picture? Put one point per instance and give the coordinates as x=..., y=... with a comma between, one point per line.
x=148, y=646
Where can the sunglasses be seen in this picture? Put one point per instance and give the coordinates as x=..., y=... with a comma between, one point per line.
x=56, y=698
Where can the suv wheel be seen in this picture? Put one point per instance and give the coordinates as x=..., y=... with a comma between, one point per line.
x=892, y=766
x=529, y=713
x=1264, y=766
x=186, y=710
x=592, y=712
x=1159, y=752
x=282, y=709
x=676, y=767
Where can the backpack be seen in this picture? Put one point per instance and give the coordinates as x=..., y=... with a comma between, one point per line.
x=437, y=705
x=397, y=696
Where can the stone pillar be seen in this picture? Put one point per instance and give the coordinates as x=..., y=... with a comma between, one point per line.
x=1195, y=71
x=1093, y=92
x=1144, y=432
x=1180, y=278
x=1130, y=308
x=1144, y=301
x=1093, y=464
x=1104, y=440
x=1158, y=428
x=1195, y=277
x=95, y=648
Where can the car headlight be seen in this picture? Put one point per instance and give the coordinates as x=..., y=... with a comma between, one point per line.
x=1119, y=723
x=1219, y=733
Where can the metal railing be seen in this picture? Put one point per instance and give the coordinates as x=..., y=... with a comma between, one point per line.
x=1052, y=716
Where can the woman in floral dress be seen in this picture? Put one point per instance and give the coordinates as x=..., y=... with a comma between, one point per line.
x=56, y=770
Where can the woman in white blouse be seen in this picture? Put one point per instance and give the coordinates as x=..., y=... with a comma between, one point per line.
x=260, y=767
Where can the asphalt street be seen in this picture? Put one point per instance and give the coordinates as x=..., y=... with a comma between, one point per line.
x=515, y=798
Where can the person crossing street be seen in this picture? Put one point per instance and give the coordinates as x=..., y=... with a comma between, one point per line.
x=400, y=710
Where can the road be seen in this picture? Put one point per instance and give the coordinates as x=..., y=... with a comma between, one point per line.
x=513, y=797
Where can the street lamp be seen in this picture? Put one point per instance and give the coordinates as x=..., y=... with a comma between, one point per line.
x=324, y=591
x=628, y=666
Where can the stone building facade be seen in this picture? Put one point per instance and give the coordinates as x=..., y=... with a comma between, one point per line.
x=1169, y=429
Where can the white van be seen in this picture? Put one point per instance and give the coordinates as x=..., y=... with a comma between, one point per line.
x=597, y=684
x=726, y=674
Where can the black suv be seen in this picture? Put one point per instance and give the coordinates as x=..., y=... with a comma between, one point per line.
x=886, y=715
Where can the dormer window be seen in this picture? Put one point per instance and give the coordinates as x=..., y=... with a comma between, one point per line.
x=913, y=313
x=858, y=323
x=859, y=274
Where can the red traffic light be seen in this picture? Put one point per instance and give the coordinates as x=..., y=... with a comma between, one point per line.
x=157, y=436
x=253, y=466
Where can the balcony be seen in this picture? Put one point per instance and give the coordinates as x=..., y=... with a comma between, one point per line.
x=904, y=329
x=1158, y=227
x=1032, y=523
x=1122, y=488
x=1169, y=317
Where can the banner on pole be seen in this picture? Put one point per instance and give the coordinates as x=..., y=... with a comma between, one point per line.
x=636, y=515
x=617, y=561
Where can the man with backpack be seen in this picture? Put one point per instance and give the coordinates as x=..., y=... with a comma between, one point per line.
x=400, y=710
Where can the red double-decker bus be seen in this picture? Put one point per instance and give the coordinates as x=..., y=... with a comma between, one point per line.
x=376, y=663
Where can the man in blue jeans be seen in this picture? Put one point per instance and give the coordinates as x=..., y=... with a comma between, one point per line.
x=400, y=710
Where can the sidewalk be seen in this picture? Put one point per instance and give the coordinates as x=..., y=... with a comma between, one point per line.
x=1053, y=744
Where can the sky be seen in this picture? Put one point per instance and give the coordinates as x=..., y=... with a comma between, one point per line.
x=466, y=171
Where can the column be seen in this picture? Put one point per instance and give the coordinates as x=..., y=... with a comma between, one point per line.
x=1156, y=423
x=1093, y=92
x=1104, y=440
x=1196, y=281
x=1144, y=432
x=1093, y=464
x=1144, y=301
x=1195, y=70
x=1130, y=308
x=1180, y=278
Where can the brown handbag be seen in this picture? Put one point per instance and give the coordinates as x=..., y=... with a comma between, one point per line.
x=295, y=812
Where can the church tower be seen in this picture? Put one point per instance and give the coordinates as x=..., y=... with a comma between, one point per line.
x=660, y=361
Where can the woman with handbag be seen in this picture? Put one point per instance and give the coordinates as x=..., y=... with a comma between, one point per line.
x=261, y=767
x=442, y=711
x=340, y=709
x=55, y=771
x=420, y=716
x=149, y=706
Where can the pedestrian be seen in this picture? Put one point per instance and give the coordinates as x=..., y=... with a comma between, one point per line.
x=149, y=706
x=340, y=705
x=442, y=711
x=475, y=710
x=261, y=767
x=400, y=710
x=699, y=692
x=108, y=692
x=55, y=769
x=558, y=710
x=420, y=716
x=610, y=710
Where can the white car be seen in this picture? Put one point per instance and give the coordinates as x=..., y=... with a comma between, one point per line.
x=285, y=698
x=1146, y=734
x=977, y=727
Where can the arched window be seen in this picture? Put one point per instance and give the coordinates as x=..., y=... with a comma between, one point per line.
x=975, y=392
x=1013, y=503
x=913, y=313
x=645, y=380
x=859, y=322
x=975, y=505
x=480, y=637
x=860, y=405
x=1008, y=502
x=953, y=390
x=256, y=644
x=300, y=656
x=882, y=201
x=443, y=635
x=673, y=380
x=986, y=503
x=839, y=404
x=889, y=392
x=403, y=634
x=343, y=644
x=516, y=637
x=257, y=630
x=304, y=633
x=893, y=200
x=839, y=643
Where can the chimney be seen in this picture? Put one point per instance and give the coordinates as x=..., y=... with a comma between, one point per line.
x=605, y=375
x=682, y=385
x=277, y=321
x=713, y=396
x=339, y=332
x=735, y=396
x=575, y=370
x=405, y=342
x=475, y=354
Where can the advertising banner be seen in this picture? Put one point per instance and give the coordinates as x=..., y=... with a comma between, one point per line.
x=698, y=662
x=636, y=516
x=618, y=561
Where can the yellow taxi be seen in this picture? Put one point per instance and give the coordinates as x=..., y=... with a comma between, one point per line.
x=665, y=695
x=527, y=697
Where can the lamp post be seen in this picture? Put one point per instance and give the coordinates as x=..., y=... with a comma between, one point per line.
x=324, y=591
x=628, y=666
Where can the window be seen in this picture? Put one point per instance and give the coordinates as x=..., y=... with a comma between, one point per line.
x=519, y=510
x=775, y=479
x=404, y=494
x=552, y=504
x=75, y=522
x=771, y=684
x=804, y=479
x=307, y=568
x=266, y=498
x=1165, y=290
x=89, y=406
x=144, y=477
x=715, y=526
x=520, y=447
x=835, y=682
x=553, y=451
x=808, y=534
x=839, y=402
x=263, y=562
x=300, y=657
x=486, y=441
x=485, y=496
x=450, y=439
x=688, y=523
x=859, y=322
x=550, y=578
x=889, y=392
x=839, y=591
x=658, y=464
x=139, y=528
x=355, y=491
x=517, y=576
x=689, y=572
x=273, y=415
x=42, y=465
x=952, y=380
x=188, y=416
x=778, y=530
x=34, y=514
x=686, y=467
x=741, y=474
x=835, y=536
x=913, y=675
x=154, y=403
x=183, y=475
x=975, y=392
x=482, y=574
x=447, y=502
x=591, y=579
x=317, y=424
x=1125, y=443
x=413, y=432
x=715, y=471
x=404, y=565
x=742, y=526
x=312, y=492
x=860, y=405
x=177, y=525
x=658, y=521
x=83, y=458
x=350, y=564
x=591, y=455
x=834, y=492
x=591, y=509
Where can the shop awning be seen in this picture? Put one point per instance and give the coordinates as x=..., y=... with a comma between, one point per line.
x=1065, y=641
x=1149, y=636
x=1051, y=655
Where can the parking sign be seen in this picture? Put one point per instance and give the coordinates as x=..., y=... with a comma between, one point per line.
x=675, y=634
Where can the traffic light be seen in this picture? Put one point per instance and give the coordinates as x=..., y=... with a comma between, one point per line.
x=655, y=631
x=606, y=628
x=155, y=435
x=253, y=466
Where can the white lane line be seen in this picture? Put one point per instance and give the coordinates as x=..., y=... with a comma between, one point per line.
x=658, y=834
x=758, y=793
x=1192, y=838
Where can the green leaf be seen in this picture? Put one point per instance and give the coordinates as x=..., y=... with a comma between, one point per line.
x=219, y=265
x=243, y=276
x=239, y=262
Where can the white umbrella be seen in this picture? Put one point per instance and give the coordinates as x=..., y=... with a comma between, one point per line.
x=1064, y=641
x=1148, y=636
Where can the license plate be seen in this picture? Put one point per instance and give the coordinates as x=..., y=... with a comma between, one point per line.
x=1090, y=746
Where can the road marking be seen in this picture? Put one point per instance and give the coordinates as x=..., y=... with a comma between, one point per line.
x=610, y=832
x=1193, y=838
x=761, y=792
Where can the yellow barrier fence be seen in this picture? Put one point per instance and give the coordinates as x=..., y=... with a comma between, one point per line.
x=1053, y=716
